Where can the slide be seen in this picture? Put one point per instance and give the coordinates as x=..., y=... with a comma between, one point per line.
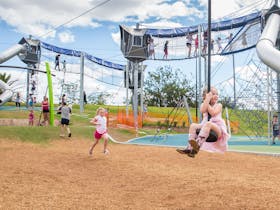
x=7, y=93
x=265, y=47
x=11, y=52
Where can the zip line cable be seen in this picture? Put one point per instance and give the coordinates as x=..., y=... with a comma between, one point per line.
x=69, y=21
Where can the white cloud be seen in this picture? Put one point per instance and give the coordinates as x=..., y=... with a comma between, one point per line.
x=33, y=18
x=162, y=24
x=234, y=8
x=116, y=37
x=66, y=37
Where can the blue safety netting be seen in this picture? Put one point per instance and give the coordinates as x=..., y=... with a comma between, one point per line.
x=227, y=37
x=78, y=54
x=215, y=26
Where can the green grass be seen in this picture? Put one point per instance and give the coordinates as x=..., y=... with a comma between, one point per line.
x=42, y=134
x=82, y=119
x=39, y=135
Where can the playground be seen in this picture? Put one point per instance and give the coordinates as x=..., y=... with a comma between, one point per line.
x=139, y=173
x=149, y=122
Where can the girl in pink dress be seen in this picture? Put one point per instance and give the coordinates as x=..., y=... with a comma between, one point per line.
x=31, y=117
x=100, y=121
x=210, y=106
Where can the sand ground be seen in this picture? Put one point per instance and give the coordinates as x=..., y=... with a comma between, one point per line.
x=62, y=175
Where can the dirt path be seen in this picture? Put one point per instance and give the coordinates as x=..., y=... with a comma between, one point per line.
x=63, y=176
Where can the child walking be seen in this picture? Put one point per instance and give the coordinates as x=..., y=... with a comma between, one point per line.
x=210, y=106
x=100, y=121
x=65, y=119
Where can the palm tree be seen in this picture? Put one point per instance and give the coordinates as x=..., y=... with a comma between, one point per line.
x=4, y=77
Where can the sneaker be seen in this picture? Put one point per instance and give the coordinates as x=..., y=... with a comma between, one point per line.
x=106, y=152
x=61, y=135
x=90, y=152
x=69, y=135
x=194, y=145
x=183, y=151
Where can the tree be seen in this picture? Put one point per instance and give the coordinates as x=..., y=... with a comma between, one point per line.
x=99, y=98
x=4, y=77
x=165, y=87
x=7, y=79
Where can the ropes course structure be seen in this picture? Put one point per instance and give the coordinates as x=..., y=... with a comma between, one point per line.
x=98, y=72
x=229, y=37
x=232, y=36
x=256, y=88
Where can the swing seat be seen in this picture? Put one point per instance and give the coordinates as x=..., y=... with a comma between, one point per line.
x=213, y=137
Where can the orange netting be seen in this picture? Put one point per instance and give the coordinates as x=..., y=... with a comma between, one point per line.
x=128, y=120
x=152, y=118
x=234, y=126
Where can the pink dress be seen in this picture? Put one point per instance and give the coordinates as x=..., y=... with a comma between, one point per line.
x=31, y=117
x=221, y=145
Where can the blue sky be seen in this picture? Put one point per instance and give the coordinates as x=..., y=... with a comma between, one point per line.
x=97, y=32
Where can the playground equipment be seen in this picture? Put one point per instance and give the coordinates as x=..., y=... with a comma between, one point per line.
x=88, y=66
x=29, y=52
x=7, y=93
x=266, y=45
x=134, y=46
x=135, y=43
x=258, y=28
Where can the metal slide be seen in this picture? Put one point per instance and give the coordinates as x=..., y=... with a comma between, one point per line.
x=11, y=52
x=6, y=55
x=7, y=94
x=266, y=50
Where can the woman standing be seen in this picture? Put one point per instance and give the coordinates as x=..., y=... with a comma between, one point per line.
x=45, y=110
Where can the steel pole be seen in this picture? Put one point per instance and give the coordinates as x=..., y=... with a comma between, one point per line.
x=209, y=44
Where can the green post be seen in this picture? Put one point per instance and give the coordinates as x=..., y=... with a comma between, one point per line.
x=50, y=93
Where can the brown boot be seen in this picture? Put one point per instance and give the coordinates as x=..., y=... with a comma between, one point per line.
x=184, y=151
x=194, y=145
x=192, y=154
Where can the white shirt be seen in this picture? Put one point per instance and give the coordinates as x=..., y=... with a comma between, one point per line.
x=189, y=39
x=101, y=126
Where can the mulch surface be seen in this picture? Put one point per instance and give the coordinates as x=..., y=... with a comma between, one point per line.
x=61, y=175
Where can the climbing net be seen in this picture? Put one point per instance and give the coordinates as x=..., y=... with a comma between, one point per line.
x=100, y=76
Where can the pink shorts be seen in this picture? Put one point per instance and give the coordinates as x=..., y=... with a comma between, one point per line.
x=98, y=135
